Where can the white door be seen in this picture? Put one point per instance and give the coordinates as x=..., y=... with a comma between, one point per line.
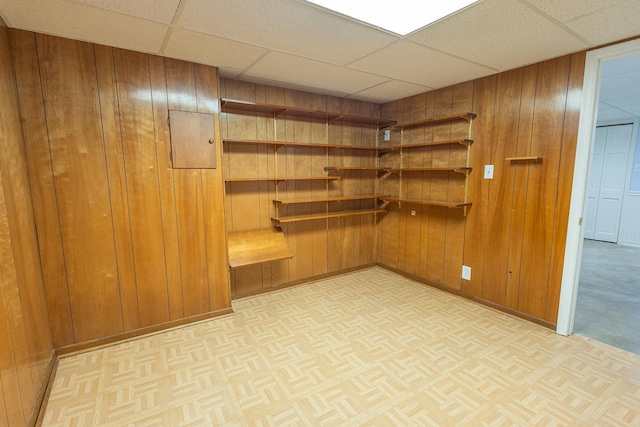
x=607, y=180
x=593, y=185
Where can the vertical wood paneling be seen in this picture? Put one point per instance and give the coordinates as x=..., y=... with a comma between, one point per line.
x=42, y=186
x=478, y=188
x=509, y=87
x=137, y=129
x=548, y=122
x=117, y=186
x=25, y=334
x=172, y=255
x=143, y=244
x=73, y=122
x=213, y=196
x=181, y=85
x=517, y=223
x=521, y=172
x=565, y=182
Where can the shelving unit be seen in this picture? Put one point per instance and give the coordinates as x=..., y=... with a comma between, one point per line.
x=462, y=169
x=274, y=112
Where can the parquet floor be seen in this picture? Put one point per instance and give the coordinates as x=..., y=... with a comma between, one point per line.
x=369, y=348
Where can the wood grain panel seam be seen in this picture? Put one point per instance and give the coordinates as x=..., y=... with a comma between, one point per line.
x=55, y=187
x=106, y=166
x=526, y=183
x=155, y=145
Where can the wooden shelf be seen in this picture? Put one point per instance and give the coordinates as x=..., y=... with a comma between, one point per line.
x=340, y=168
x=450, y=205
x=462, y=170
x=309, y=217
x=464, y=142
x=291, y=178
x=327, y=199
x=244, y=107
x=278, y=144
x=435, y=120
x=257, y=246
x=364, y=147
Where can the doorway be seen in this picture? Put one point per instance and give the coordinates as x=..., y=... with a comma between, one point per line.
x=585, y=148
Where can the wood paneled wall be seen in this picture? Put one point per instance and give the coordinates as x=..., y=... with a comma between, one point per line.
x=320, y=246
x=513, y=236
x=127, y=243
x=25, y=338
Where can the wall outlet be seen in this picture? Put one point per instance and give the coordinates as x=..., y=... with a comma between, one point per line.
x=387, y=134
x=488, y=171
x=466, y=272
x=413, y=213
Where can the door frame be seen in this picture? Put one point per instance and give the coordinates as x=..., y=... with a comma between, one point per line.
x=584, y=148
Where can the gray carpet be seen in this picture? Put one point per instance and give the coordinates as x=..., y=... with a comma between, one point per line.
x=608, y=306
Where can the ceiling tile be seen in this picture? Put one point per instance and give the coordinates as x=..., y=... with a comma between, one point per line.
x=211, y=50
x=80, y=22
x=154, y=10
x=567, y=10
x=390, y=91
x=285, y=25
x=285, y=68
x=502, y=34
x=598, y=28
x=420, y=65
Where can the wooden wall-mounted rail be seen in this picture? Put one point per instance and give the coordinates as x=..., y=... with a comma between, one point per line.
x=257, y=246
x=534, y=159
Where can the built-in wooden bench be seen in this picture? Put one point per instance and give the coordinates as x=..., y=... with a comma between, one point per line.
x=257, y=246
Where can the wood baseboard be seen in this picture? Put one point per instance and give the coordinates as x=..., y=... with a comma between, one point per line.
x=125, y=336
x=40, y=404
x=473, y=298
x=301, y=281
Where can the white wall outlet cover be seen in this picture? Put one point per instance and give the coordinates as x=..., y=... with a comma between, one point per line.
x=413, y=213
x=466, y=272
x=387, y=134
x=488, y=171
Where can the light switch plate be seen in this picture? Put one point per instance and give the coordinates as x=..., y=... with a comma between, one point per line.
x=387, y=134
x=488, y=171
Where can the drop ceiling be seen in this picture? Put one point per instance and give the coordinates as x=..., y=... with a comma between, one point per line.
x=295, y=44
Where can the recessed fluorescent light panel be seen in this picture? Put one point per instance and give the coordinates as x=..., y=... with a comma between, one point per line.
x=398, y=16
